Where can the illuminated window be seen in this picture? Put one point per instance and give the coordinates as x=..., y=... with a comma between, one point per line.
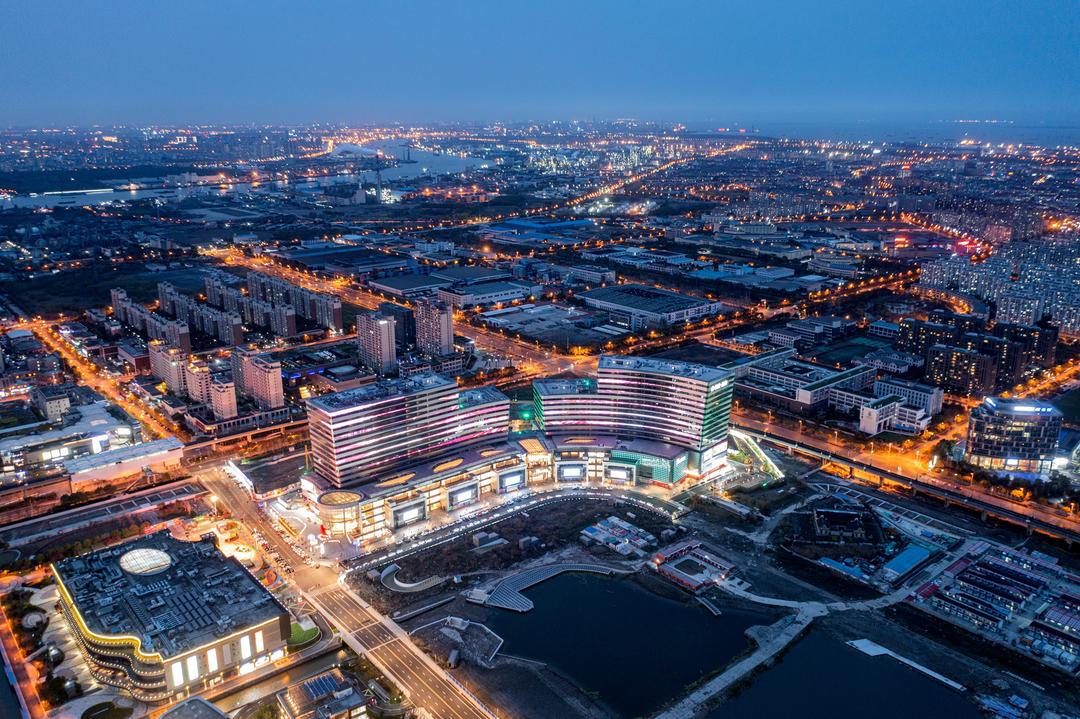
x=193, y=667
x=259, y=642
x=245, y=647
x=177, y=673
x=211, y=660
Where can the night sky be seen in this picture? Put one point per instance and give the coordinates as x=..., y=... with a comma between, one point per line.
x=707, y=62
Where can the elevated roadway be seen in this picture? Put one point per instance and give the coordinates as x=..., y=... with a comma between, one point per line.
x=1031, y=516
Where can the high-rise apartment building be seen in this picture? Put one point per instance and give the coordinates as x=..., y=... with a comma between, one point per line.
x=1009, y=357
x=404, y=323
x=375, y=342
x=962, y=371
x=175, y=332
x=1021, y=308
x=283, y=321
x=226, y=326
x=322, y=309
x=258, y=376
x=223, y=399
x=960, y=323
x=197, y=379
x=168, y=364
x=263, y=382
x=1038, y=342
x=917, y=337
x=434, y=328
x=240, y=359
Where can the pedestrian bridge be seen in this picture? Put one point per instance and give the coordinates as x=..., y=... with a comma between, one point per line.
x=507, y=594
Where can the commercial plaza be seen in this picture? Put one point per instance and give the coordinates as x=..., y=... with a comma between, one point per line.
x=392, y=454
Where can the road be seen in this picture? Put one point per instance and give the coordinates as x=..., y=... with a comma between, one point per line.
x=55, y=524
x=389, y=646
x=530, y=359
x=362, y=628
x=912, y=472
x=533, y=499
x=90, y=375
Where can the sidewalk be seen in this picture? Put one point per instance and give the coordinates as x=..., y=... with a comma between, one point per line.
x=18, y=668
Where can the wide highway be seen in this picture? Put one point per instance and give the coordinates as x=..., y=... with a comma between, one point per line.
x=366, y=631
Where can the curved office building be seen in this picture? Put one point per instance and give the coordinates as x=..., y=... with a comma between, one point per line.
x=161, y=617
x=664, y=420
x=1018, y=436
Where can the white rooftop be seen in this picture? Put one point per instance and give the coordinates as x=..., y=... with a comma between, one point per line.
x=701, y=372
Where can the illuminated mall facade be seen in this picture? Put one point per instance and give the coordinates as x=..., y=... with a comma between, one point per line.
x=162, y=618
x=395, y=453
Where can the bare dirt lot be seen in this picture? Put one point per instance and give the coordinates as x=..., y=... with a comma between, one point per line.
x=555, y=526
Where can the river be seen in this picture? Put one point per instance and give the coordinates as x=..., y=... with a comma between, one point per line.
x=425, y=164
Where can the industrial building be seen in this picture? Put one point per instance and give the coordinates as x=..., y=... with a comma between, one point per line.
x=640, y=306
x=486, y=293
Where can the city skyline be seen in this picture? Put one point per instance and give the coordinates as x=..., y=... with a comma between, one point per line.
x=552, y=361
x=705, y=64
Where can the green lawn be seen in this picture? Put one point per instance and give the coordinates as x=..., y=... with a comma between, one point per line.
x=299, y=636
x=847, y=350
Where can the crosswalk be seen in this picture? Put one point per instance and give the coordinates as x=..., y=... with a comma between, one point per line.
x=426, y=684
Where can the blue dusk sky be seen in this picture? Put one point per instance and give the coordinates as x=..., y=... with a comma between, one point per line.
x=119, y=61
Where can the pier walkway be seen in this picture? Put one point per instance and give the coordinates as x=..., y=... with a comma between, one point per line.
x=874, y=649
x=507, y=593
x=771, y=641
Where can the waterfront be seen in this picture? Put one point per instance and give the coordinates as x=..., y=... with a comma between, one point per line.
x=820, y=677
x=605, y=634
x=424, y=164
x=1044, y=134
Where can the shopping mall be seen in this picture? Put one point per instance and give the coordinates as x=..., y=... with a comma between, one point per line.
x=162, y=617
x=397, y=452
